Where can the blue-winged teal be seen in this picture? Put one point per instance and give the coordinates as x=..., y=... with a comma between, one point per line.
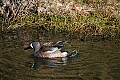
x=48, y=50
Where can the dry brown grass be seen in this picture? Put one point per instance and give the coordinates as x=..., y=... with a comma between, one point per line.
x=88, y=17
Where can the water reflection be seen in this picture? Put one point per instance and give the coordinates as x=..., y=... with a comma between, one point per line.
x=42, y=62
x=98, y=60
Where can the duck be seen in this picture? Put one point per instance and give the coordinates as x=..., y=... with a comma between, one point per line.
x=48, y=50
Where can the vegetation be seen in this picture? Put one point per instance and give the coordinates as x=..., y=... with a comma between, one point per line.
x=84, y=17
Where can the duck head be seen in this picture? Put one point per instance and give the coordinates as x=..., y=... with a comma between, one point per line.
x=34, y=45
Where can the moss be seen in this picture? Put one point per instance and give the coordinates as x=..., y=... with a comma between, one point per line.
x=98, y=22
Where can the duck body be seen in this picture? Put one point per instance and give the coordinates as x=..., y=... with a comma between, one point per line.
x=54, y=54
x=48, y=50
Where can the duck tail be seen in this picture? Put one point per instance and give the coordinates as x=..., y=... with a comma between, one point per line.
x=73, y=54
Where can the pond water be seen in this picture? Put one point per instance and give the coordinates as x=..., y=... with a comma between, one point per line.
x=96, y=60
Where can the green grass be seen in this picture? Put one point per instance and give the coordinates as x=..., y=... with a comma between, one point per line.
x=102, y=21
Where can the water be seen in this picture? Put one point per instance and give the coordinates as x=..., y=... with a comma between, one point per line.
x=96, y=60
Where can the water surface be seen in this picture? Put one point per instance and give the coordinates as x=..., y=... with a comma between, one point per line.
x=96, y=60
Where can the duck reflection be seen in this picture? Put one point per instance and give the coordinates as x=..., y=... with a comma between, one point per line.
x=39, y=62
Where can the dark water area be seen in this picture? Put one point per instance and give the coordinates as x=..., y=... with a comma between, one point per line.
x=96, y=60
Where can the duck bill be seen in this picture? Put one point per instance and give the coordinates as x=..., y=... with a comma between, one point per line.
x=27, y=48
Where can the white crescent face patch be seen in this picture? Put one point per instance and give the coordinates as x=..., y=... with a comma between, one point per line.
x=31, y=45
